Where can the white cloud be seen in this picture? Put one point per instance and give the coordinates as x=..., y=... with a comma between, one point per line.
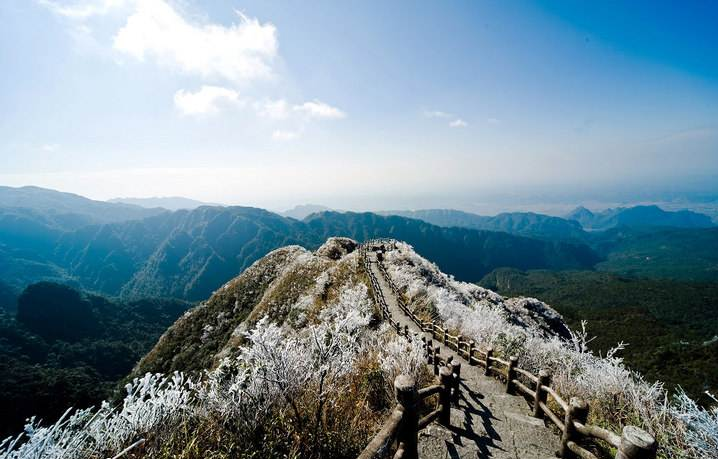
x=317, y=109
x=83, y=9
x=207, y=100
x=50, y=147
x=284, y=135
x=458, y=123
x=238, y=53
x=273, y=109
x=436, y=114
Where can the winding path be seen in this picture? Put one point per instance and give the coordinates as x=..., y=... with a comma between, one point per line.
x=487, y=423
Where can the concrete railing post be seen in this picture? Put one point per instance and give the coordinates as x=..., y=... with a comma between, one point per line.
x=540, y=396
x=459, y=338
x=472, y=349
x=487, y=362
x=456, y=375
x=577, y=411
x=446, y=337
x=511, y=374
x=408, y=434
x=636, y=444
x=430, y=352
x=445, y=379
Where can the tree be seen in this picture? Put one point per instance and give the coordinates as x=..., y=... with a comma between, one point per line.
x=56, y=312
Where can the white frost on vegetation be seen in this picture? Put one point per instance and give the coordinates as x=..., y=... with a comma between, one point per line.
x=277, y=364
x=521, y=328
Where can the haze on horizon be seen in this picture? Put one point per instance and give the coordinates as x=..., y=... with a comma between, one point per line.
x=360, y=105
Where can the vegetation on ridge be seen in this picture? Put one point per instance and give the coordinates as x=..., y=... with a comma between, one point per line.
x=70, y=349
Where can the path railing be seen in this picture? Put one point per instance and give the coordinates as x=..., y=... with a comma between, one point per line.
x=570, y=418
x=403, y=426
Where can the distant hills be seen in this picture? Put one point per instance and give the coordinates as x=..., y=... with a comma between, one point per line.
x=521, y=223
x=65, y=210
x=667, y=253
x=638, y=216
x=128, y=251
x=466, y=253
x=169, y=203
x=302, y=211
x=188, y=253
x=573, y=227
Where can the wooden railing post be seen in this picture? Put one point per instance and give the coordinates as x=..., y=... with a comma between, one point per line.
x=511, y=374
x=430, y=352
x=487, y=362
x=456, y=375
x=459, y=338
x=445, y=379
x=540, y=396
x=437, y=358
x=446, y=337
x=408, y=434
x=472, y=349
x=636, y=444
x=577, y=411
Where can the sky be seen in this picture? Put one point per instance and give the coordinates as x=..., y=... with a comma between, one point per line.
x=359, y=104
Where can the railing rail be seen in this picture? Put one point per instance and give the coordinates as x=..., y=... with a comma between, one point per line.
x=633, y=443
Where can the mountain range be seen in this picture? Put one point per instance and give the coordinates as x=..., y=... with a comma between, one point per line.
x=169, y=202
x=124, y=250
x=638, y=217
x=521, y=223
x=188, y=253
x=65, y=211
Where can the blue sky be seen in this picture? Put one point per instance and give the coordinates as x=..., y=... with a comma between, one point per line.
x=357, y=104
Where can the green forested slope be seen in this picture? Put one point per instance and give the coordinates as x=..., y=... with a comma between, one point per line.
x=669, y=325
x=66, y=348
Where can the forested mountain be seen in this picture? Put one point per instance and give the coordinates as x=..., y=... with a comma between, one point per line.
x=8, y=297
x=65, y=348
x=466, y=253
x=66, y=210
x=187, y=254
x=682, y=254
x=520, y=223
x=638, y=216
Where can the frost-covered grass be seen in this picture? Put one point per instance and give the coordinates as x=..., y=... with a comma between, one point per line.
x=290, y=392
x=521, y=328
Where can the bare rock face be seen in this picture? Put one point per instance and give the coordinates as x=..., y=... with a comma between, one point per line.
x=336, y=248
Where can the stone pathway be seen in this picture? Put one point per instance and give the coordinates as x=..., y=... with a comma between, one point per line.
x=487, y=423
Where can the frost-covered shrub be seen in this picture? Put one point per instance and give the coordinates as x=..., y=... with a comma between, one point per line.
x=303, y=372
x=399, y=356
x=529, y=330
x=151, y=403
x=701, y=425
